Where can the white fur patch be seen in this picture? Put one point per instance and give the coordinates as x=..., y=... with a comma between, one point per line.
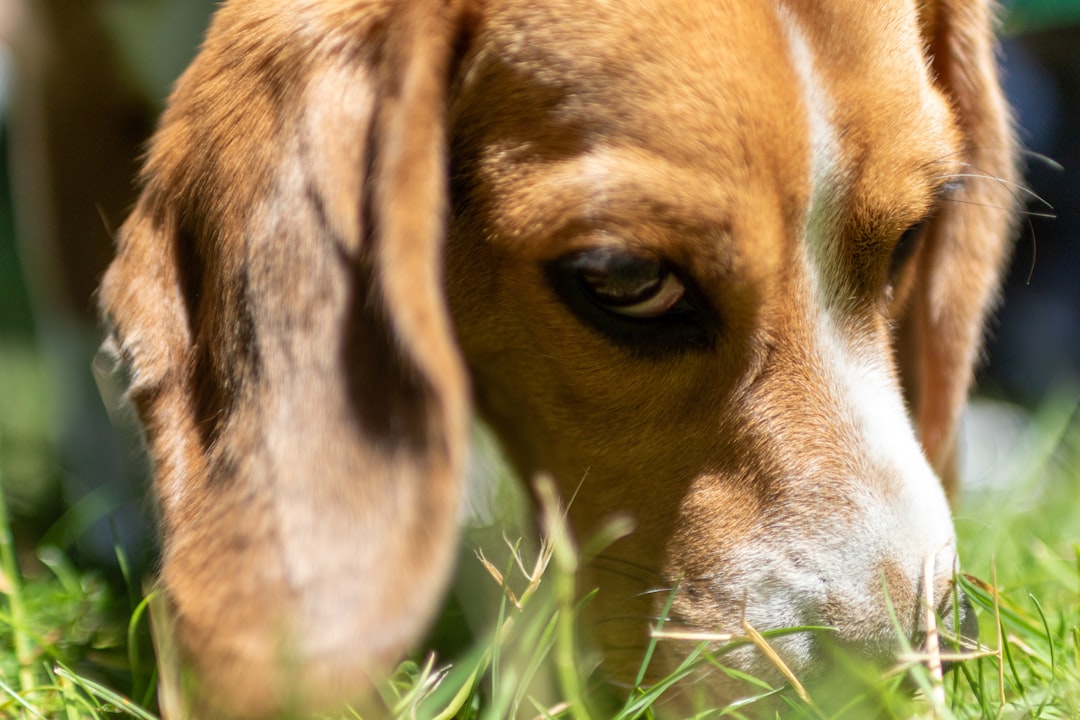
x=903, y=514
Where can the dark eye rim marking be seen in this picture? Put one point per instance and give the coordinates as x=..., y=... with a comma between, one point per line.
x=906, y=247
x=909, y=242
x=636, y=314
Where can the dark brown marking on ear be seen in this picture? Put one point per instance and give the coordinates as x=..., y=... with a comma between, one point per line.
x=278, y=296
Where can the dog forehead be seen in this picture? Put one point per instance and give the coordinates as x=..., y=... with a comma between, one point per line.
x=867, y=74
x=716, y=88
x=684, y=75
x=698, y=96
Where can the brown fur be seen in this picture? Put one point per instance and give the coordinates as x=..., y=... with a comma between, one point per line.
x=278, y=295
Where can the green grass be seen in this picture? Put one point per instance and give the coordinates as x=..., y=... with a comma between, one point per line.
x=72, y=647
x=1021, y=545
x=61, y=644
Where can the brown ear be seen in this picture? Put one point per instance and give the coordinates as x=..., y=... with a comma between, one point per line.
x=277, y=296
x=967, y=244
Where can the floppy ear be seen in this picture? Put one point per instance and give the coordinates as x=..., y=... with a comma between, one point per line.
x=967, y=245
x=277, y=296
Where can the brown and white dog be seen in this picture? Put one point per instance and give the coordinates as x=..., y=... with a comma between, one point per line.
x=728, y=261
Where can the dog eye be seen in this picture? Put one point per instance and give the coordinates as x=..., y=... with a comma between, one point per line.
x=905, y=248
x=635, y=299
x=630, y=285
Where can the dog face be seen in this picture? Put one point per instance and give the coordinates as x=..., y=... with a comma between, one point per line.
x=694, y=248
x=720, y=267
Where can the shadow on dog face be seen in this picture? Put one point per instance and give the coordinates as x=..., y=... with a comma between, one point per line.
x=720, y=267
x=679, y=254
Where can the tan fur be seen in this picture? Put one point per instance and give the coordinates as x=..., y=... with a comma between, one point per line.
x=277, y=295
x=968, y=244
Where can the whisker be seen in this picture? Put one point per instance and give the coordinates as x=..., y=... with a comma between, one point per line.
x=954, y=160
x=619, y=684
x=1034, y=252
x=1018, y=191
x=1044, y=159
x=628, y=563
x=655, y=591
x=643, y=618
x=1044, y=216
x=1022, y=190
x=1021, y=213
x=621, y=572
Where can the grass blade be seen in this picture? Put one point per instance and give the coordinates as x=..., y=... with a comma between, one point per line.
x=99, y=691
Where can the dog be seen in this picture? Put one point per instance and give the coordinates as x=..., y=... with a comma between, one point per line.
x=719, y=266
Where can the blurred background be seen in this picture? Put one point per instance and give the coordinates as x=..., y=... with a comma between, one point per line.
x=81, y=82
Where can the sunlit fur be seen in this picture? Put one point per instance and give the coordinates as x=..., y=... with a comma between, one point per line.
x=348, y=212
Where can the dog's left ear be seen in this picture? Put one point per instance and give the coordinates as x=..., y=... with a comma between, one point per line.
x=967, y=244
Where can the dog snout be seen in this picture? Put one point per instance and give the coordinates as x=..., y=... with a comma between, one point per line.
x=878, y=627
x=959, y=624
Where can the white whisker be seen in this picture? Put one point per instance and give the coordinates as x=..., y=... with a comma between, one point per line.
x=1022, y=213
x=1044, y=159
x=1023, y=189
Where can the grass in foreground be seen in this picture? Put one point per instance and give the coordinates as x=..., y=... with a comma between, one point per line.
x=65, y=654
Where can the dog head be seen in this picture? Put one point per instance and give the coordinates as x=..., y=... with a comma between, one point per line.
x=722, y=267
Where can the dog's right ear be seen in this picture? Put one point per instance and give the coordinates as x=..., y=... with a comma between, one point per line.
x=965, y=248
x=277, y=297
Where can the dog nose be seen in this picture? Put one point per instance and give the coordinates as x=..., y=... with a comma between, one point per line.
x=960, y=626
